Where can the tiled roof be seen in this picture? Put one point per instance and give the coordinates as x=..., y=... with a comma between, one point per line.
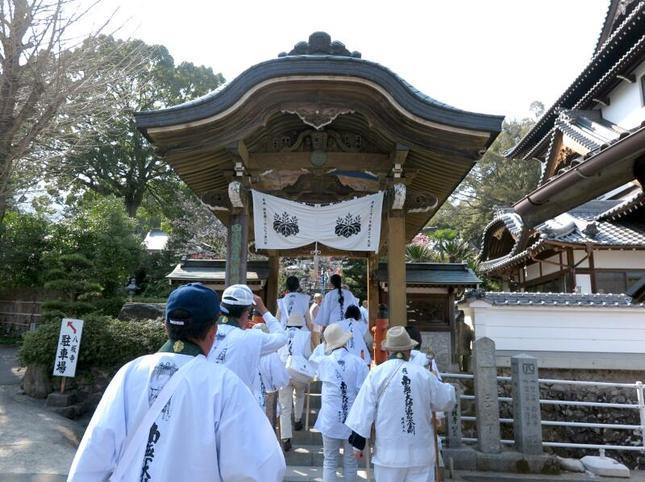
x=552, y=299
x=214, y=270
x=605, y=233
x=618, y=52
x=435, y=274
x=156, y=240
x=588, y=131
x=581, y=225
x=586, y=128
x=318, y=63
x=635, y=201
x=580, y=161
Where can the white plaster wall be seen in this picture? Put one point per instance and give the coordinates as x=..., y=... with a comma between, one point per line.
x=548, y=268
x=584, y=282
x=626, y=102
x=624, y=260
x=577, y=256
x=562, y=329
x=532, y=271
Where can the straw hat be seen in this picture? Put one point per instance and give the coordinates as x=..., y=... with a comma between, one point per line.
x=296, y=319
x=335, y=337
x=397, y=339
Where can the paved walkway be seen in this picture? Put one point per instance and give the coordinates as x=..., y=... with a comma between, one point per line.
x=36, y=444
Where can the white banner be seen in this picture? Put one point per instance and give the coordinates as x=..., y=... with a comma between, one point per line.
x=69, y=342
x=348, y=225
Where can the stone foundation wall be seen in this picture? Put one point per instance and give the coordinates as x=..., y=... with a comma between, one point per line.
x=576, y=414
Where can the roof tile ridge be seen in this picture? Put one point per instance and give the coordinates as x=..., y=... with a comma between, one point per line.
x=610, y=73
x=618, y=29
x=550, y=111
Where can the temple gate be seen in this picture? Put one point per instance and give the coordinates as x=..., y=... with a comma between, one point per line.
x=320, y=125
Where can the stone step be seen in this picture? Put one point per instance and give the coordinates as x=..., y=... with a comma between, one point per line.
x=306, y=437
x=314, y=474
x=305, y=455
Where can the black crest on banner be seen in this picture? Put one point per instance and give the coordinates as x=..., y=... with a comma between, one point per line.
x=348, y=226
x=285, y=225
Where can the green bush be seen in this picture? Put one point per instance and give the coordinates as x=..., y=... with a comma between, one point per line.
x=106, y=343
x=109, y=306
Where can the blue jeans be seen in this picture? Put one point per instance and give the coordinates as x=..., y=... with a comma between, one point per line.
x=331, y=450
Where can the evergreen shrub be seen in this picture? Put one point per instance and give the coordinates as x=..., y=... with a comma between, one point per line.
x=106, y=344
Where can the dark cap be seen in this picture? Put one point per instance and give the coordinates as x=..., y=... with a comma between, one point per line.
x=198, y=303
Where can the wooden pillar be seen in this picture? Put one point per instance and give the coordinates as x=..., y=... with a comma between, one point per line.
x=372, y=288
x=592, y=271
x=237, y=247
x=452, y=323
x=396, y=268
x=571, y=273
x=272, y=281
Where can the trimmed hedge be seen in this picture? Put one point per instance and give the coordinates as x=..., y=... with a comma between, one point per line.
x=106, y=344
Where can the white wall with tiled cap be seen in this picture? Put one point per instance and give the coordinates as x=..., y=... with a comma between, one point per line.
x=563, y=333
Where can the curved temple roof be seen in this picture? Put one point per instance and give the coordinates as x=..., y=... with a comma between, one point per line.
x=271, y=122
x=327, y=60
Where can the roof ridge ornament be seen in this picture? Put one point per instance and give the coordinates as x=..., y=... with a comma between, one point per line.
x=320, y=43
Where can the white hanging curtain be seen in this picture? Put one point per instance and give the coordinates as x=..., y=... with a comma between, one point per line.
x=348, y=225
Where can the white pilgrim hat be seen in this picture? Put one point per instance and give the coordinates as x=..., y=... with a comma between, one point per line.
x=335, y=337
x=397, y=339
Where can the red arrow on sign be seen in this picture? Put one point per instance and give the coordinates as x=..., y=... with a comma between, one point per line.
x=71, y=325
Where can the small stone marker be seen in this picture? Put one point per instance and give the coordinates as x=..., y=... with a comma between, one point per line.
x=604, y=466
x=527, y=420
x=486, y=399
x=453, y=421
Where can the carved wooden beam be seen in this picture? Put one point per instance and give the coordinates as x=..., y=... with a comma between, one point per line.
x=217, y=200
x=398, y=157
x=351, y=161
x=237, y=194
x=240, y=157
x=420, y=202
x=398, y=200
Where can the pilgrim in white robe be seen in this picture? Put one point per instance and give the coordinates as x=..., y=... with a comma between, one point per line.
x=399, y=397
x=272, y=376
x=358, y=343
x=240, y=350
x=422, y=359
x=317, y=355
x=298, y=345
x=293, y=302
x=211, y=429
x=332, y=310
x=365, y=314
x=342, y=373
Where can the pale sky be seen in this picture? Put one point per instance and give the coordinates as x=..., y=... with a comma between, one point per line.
x=493, y=56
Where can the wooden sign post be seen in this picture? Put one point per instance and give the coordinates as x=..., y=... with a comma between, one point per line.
x=69, y=342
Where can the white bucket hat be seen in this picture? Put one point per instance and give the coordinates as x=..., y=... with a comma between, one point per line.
x=240, y=295
x=397, y=339
x=335, y=337
x=296, y=319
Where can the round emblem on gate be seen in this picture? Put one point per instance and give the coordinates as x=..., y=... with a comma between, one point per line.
x=318, y=158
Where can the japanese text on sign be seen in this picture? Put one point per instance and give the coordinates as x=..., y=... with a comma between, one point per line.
x=69, y=342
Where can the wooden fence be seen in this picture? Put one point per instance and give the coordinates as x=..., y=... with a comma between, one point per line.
x=19, y=316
